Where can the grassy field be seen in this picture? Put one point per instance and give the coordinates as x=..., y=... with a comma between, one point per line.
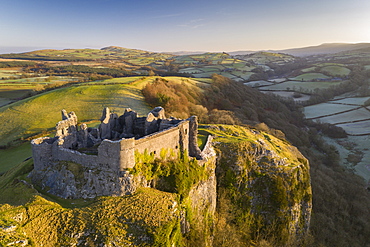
x=258, y=83
x=310, y=69
x=13, y=156
x=359, y=128
x=299, y=86
x=356, y=115
x=236, y=134
x=41, y=112
x=309, y=77
x=290, y=95
x=335, y=70
x=353, y=146
x=9, y=72
x=320, y=110
x=352, y=101
x=191, y=70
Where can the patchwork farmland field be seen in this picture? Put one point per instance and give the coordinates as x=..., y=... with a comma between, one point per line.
x=299, y=86
x=335, y=70
x=6, y=73
x=354, y=118
x=258, y=83
x=290, y=95
x=12, y=90
x=326, y=109
x=309, y=77
x=357, y=128
x=360, y=114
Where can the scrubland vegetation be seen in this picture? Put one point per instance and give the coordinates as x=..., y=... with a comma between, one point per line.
x=235, y=103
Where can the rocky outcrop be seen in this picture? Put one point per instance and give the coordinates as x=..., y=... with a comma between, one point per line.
x=73, y=180
x=272, y=179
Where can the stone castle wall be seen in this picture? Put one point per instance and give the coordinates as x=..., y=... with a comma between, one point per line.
x=113, y=157
x=118, y=155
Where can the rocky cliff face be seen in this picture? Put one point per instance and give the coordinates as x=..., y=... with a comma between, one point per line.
x=266, y=178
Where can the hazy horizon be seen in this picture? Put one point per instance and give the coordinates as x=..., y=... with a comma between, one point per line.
x=169, y=26
x=7, y=50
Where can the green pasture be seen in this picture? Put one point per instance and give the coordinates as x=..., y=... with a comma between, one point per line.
x=310, y=69
x=14, y=91
x=355, y=115
x=328, y=64
x=229, y=75
x=358, y=128
x=227, y=61
x=258, y=83
x=203, y=75
x=323, y=109
x=204, y=80
x=191, y=70
x=41, y=112
x=309, y=77
x=191, y=81
x=120, y=80
x=39, y=80
x=4, y=101
x=6, y=73
x=244, y=75
x=352, y=101
x=141, y=61
x=300, y=86
x=239, y=64
x=290, y=95
x=362, y=168
x=12, y=156
x=137, y=56
x=10, y=93
x=278, y=80
x=351, y=145
x=335, y=70
x=213, y=69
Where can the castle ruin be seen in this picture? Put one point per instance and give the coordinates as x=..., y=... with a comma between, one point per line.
x=101, y=156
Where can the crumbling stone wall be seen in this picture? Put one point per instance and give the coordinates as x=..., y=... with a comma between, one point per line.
x=175, y=138
x=118, y=138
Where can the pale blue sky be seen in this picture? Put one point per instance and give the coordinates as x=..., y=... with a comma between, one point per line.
x=192, y=25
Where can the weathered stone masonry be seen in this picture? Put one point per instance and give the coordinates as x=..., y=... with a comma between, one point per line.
x=113, y=145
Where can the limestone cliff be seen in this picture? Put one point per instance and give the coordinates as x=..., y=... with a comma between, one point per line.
x=265, y=179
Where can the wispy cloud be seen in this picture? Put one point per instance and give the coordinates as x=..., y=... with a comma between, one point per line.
x=196, y=23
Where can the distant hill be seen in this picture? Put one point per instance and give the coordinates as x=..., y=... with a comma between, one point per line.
x=233, y=53
x=328, y=48
x=185, y=53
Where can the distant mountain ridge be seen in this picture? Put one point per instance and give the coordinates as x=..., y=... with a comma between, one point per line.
x=327, y=48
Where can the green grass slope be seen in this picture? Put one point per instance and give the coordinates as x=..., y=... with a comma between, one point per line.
x=41, y=112
x=149, y=217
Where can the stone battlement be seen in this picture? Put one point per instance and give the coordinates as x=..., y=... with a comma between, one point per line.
x=111, y=148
